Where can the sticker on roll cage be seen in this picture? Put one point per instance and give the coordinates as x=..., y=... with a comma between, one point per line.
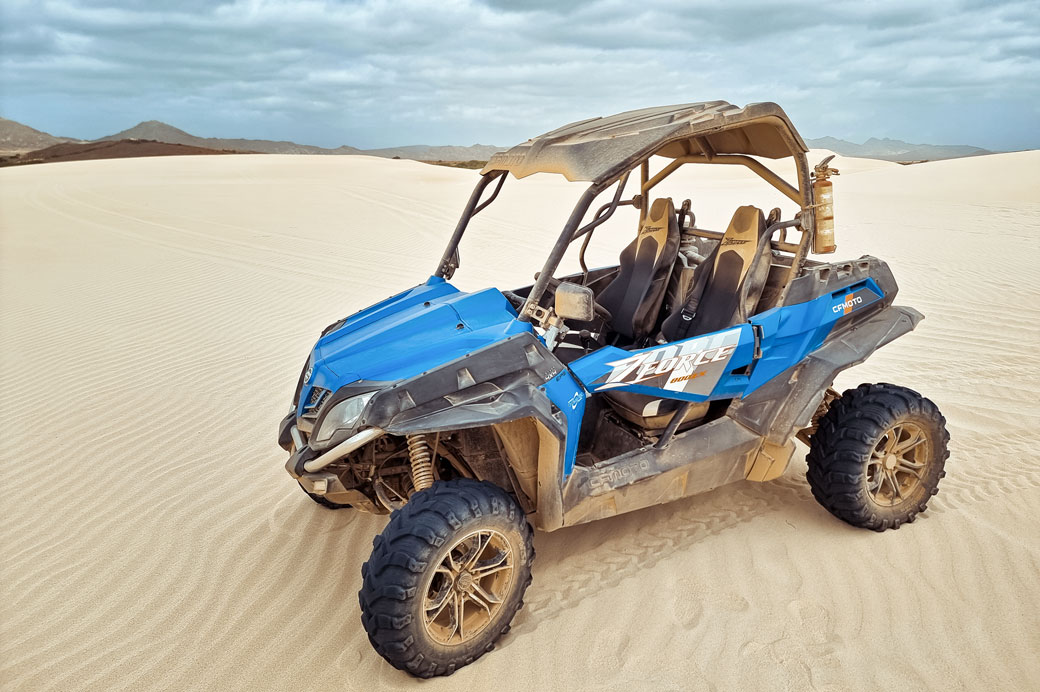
x=692, y=367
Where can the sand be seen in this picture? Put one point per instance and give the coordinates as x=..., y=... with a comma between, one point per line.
x=155, y=315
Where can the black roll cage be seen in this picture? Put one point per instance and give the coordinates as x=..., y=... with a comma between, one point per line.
x=802, y=194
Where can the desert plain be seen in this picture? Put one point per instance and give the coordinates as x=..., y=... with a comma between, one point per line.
x=154, y=316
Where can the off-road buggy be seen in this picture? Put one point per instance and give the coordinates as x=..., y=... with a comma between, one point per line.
x=696, y=361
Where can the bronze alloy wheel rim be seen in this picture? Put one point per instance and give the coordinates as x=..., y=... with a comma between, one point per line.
x=898, y=464
x=467, y=589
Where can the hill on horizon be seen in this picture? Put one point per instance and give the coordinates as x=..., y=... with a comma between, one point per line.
x=162, y=132
x=107, y=149
x=157, y=131
x=18, y=138
x=426, y=152
x=895, y=149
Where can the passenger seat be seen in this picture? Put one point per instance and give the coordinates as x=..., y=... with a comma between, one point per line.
x=729, y=293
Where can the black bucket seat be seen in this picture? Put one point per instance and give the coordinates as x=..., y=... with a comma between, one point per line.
x=728, y=293
x=725, y=292
x=634, y=296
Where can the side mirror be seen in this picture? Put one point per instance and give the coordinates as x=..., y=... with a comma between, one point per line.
x=574, y=302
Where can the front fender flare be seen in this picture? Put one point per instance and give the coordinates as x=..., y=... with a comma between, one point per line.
x=500, y=383
x=478, y=406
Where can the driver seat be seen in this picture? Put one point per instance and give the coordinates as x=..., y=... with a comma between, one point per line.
x=634, y=296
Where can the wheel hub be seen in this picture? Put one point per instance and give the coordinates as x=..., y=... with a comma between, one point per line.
x=898, y=464
x=464, y=582
x=468, y=587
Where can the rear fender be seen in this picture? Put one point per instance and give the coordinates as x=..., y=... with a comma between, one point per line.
x=786, y=404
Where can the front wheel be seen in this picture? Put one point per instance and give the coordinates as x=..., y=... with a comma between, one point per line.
x=446, y=577
x=878, y=455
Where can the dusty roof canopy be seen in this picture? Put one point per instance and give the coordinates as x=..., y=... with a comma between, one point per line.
x=600, y=148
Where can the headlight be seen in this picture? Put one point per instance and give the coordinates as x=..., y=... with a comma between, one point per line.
x=345, y=414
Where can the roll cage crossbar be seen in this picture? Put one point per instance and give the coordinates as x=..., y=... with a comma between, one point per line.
x=572, y=229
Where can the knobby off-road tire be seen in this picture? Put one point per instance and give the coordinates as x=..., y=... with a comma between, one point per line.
x=323, y=501
x=458, y=554
x=878, y=455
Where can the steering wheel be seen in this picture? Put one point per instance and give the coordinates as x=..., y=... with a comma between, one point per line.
x=516, y=301
x=600, y=311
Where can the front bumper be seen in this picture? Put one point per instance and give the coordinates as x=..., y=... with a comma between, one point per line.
x=329, y=486
x=307, y=466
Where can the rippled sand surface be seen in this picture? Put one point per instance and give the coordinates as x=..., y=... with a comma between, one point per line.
x=154, y=315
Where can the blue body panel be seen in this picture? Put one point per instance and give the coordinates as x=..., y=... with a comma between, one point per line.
x=567, y=395
x=725, y=366
x=791, y=333
x=611, y=361
x=410, y=333
x=435, y=323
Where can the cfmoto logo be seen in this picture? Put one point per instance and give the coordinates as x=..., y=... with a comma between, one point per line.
x=846, y=307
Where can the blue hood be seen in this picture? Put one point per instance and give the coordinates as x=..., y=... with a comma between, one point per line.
x=412, y=332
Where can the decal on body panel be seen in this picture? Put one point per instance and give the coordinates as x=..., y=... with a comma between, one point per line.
x=692, y=366
x=855, y=299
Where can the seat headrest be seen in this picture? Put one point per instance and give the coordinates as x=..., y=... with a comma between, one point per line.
x=742, y=237
x=656, y=225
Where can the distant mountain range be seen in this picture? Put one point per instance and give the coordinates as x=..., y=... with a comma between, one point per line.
x=18, y=138
x=895, y=150
x=425, y=152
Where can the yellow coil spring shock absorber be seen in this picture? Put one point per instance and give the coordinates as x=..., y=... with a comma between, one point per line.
x=422, y=461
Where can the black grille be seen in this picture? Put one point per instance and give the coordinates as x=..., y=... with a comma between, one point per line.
x=315, y=401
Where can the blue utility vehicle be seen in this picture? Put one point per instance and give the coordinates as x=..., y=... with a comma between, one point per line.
x=696, y=361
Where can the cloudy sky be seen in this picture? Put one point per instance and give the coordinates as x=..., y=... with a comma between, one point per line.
x=391, y=72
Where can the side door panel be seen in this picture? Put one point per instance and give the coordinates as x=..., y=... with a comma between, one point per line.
x=694, y=369
x=731, y=362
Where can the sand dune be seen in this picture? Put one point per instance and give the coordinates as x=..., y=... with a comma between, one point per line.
x=155, y=314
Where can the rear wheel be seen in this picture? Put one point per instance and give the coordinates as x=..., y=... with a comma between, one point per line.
x=446, y=577
x=878, y=455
